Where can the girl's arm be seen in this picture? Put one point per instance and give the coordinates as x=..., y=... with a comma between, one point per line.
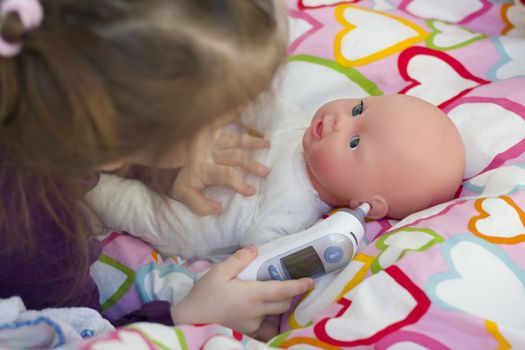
x=220, y=297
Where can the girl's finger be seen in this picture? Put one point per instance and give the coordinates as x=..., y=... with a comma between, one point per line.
x=199, y=204
x=242, y=159
x=282, y=290
x=235, y=263
x=277, y=307
x=221, y=175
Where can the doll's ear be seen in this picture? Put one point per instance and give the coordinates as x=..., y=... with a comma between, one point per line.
x=378, y=208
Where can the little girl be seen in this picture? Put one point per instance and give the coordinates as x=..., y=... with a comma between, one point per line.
x=90, y=85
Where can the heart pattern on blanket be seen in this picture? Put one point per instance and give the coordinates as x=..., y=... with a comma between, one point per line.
x=167, y=282
x=512, y=56
x=369, y=35
x=504, y=180
x=330, y=291
x=488, y=141
x=448, y=36
x=355, y=325
x=107, y=269
x=382, y=5
x=453, y=11
x=494, y=330
x=409, y=340
x=506, y=337
x=481, y=280
x=312, y=81
x=224, y=342
x=425, y=214
x=500, y=220
x=394, y=245
x=300, y=26
x=435, y=76
x=514, y=19
x=322, y=3
x=122, y=338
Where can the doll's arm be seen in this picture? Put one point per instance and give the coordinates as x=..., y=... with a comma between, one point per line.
x=129, y=205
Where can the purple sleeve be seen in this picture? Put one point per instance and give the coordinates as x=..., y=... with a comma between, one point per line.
x=44, y=280
x=50, y=274
x=154, y=311
x=45, y=277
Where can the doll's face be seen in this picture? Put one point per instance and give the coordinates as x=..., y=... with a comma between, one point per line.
x=390, y=147
x=340, y=149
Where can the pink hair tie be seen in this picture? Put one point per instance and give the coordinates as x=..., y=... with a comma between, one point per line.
x=30, y=13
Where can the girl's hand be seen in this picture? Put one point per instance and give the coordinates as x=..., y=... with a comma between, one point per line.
x=220, y=297
x=269, y=329
x=218, y=165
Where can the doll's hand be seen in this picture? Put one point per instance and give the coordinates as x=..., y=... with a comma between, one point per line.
x=220, y=297
x=219, y=166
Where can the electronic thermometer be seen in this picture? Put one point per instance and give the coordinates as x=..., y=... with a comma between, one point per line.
x=326, y=247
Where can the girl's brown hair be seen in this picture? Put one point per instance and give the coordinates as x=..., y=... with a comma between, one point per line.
x=101, y=80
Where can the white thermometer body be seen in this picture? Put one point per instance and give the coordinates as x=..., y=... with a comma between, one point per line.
x=326, y=247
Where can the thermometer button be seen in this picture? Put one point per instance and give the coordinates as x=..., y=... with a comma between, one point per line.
x=333, y=254
x=274, y=273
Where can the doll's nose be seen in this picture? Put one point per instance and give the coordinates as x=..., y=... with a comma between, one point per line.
x=331, y=122
x=340, y=121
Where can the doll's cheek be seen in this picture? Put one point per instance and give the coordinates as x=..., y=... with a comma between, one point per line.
x=323, y=165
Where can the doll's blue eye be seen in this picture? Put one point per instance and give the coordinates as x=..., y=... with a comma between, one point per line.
x=354, y=142
x=357, y=110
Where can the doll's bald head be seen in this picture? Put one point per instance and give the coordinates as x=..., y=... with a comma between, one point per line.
x=399, y=153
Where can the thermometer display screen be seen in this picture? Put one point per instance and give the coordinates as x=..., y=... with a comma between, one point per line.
x=303, y=263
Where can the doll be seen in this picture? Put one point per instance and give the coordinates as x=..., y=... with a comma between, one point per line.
x=398, y=153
